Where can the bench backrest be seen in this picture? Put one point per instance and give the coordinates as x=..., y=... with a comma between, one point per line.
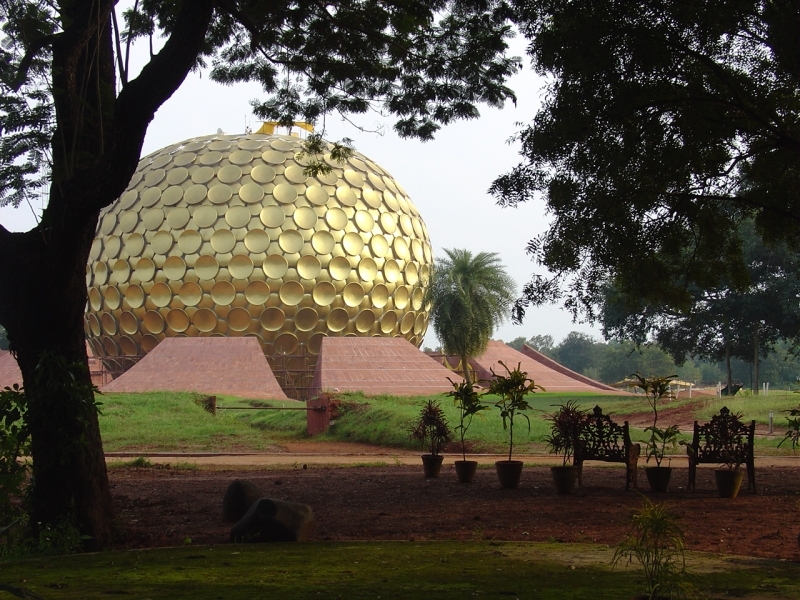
x=725, y=438
x=602, y=438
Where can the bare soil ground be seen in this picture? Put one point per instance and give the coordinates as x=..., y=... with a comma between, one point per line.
x=160, y=506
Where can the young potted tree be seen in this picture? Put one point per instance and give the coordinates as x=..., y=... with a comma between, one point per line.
x=512, y=389
x=433, y=432
x=729, y=433
x=793, y=431
x=565, y=426
x=657, y=389
x=467, y=400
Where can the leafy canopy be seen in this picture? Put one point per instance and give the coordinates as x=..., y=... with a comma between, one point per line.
x=665, y=124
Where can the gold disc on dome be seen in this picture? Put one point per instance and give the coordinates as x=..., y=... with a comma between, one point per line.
x=329, y=178
x=110, y=346
x=184, y=159
x=273, y=157
x=417, y=226
x=272, y=319
x=239, y=319
x=295, y=174
x=353, y=178
x=407, y=324
x=195, y=194
x=337, y=319
x=134, y=296
x=308, y=267
x=388, y=321
x=401, y=297
x=367, y=269
x=240, y=267
x=272, y=216
x=401, y=200
x=178, y=320
x=424, y=273
x=237, y=216
x=223, y=241
x=305, y=217
x=205, y=320
x=416, y=299
x=240, y=157
x=390, y=183
x=257, y=292
x=379, y=295
x=391, y=270
x=372, y=198
x=220, y=145
x=412, y=275
x=108, y=223
x=291, y=241
x=203, y=175
x=154, y=177
x=161, y=295
x=109, y=323
x=128, y=199
x=112, y=246
x=353, y=294
x=112, y=297
x=229, y=174
x=317, y=195
x=379, y=245
x=358, y=164
x=194, y=146
x=145, y=269
x=94, y=325
x=128, y=346
x=306, y=319
x=406, y=226
x=152, y=219
x=172, y=195
x=419, y=324
x=282, y=145
x=388, y=223
x=223, y=293
x=190, y=293
x=285, y=343
x=346, y=196
x=97, y=246
x=210, y=158
x=153, y=322
x=121, y=271
x=189, y=241
x=128, y=322
x=149, y=342
x=162, y=160
x=323, y=293
x=323, y=242
x=100, y=273
x=391, y=201
x=314, y=343
x=206, y=267
x=284, y=193
x=275, y=266
x=256, y=241
x=220, y=193
x=95, y=300
x=174, y=268
x=364, y=221
x=262, y=174
x=250, y=193
x=250, y=144
x=401, y=248
x=128, y=221
x=339, y=268
x=416, y=250
x=177, y=175
x=178, y=217
x=336, y=219
x=365, y=320
x=376, y=181
x=291, y=293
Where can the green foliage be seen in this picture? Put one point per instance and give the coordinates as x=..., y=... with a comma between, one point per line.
x=467, y=400
x=469, y=296
x=657, y=389
x=659, y=440
x=14, y=445
x=663, y=127
x=656, y=543
x=728, y=432
x=3, y=338
x=793, y=431
x=512, y=390
x=565, y=427
x=431, y=428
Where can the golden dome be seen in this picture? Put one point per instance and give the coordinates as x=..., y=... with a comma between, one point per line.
x=225, y=235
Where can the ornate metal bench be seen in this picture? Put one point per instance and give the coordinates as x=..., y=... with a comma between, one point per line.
x=723, y=439
x=600, y=438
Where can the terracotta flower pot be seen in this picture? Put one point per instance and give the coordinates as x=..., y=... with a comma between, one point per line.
x=509, y=473
x=465, y=469
x=564, y=478
x=728, y=482
x=658, y=478
x=432, y=464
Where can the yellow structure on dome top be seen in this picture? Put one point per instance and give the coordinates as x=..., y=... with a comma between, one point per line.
x=226, y=235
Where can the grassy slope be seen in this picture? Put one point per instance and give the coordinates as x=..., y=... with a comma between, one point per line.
x=400, y=570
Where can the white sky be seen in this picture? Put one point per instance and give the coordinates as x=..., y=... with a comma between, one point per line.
x=446, y=178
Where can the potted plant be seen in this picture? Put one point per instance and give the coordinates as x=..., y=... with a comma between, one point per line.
x=565, y=426
x=728, y=435
x=793, y=432
x=512, y=389
x=433, y=432
x=467, y=400
x=657, y=389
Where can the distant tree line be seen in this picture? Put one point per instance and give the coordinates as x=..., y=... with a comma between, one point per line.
x=613, y=361
x=3, y=338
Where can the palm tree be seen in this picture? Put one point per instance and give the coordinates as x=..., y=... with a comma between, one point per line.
x=469, y=296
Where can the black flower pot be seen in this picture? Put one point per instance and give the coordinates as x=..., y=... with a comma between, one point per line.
x=564, y=478
x=728, y=482
x=658, y=478
x=509, y=473
x=465, y=470
x=432, y=464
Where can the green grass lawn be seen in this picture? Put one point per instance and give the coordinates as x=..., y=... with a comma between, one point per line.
x=397, y=570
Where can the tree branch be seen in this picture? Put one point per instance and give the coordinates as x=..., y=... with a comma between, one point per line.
x=27, y=60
